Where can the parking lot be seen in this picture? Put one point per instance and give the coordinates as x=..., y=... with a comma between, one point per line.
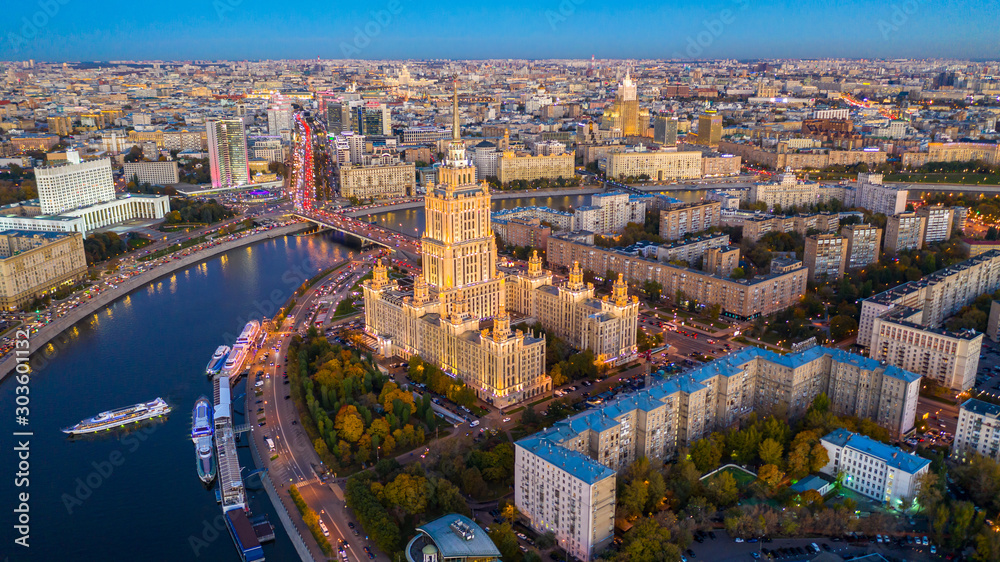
x=723, y=549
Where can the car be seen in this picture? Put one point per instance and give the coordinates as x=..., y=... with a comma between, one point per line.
x=261, y=424
x=356, y=533
x=815, y=547
x=737, y=539
x=505, y=420
x=923, y=541
x=288, y=396
x=326, y=532
x=295, y=422
x=755, y=555
x=711, y=534
x=259, y=401
x=933, y=549
x=286, y=381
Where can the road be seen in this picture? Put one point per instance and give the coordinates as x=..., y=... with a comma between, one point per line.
x=297, y=461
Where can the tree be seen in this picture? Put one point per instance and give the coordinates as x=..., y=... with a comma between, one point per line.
x=771, y=476
x=558, y=378
x=842, y=326
x=348, y=423
x=714, y=310
x=722, y=488
x=633, y=498
x=473, y=483
x=706, y=454
x=407, y=492
x=653, y=289
x=738, y=273
x=770, y=452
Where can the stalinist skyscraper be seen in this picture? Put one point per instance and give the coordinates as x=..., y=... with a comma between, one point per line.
x=460, y=289
x=625, y=113
x=459, y=248
x=446, y=317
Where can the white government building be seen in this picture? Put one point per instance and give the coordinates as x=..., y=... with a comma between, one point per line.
x=79, y=197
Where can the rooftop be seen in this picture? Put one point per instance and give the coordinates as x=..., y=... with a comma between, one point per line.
x=457, y=536
x=981, y=408
x=891, y=456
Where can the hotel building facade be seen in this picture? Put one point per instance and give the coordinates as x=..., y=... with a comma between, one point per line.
x=460, y=287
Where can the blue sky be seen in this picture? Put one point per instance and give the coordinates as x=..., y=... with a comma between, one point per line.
x=59, y=30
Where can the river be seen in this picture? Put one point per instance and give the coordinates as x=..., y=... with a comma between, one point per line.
x=412, y=221
x=137, y=496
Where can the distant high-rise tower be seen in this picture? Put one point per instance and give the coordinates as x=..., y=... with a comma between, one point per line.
x=372, y=118
x=227, y=152
x=665, y=130
x=338, y=117
x=625, y=114
x=709, y=129
x=279, y=118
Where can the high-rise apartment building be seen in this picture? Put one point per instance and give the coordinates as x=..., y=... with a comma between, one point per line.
x=740, y=298
x=378, y=180
x=75, y=184
x=279, y=118
x=607, y=327
x=680, y=221
x=608, y=213
x=524, y=167
x=902, y=325
x=754, y=228
x=978, y=431
x=864, y=244
x=786, y=192
x=709, y=129
x=61, y=125
x=339, y=117
x=580, y=455
x=34, y=263
x=937, y=221
x=227, y=153
x=904, y=231
x=869, y=193
x=665, y=130
x=825, y=257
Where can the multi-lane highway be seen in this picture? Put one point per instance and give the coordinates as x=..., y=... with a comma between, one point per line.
x=297, y=462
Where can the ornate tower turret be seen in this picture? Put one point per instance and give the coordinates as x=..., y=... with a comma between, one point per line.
x=420, y=290
x=620, y=291
x=501, y=325
x=534, y=264
x=380, y=276
x=575, y=277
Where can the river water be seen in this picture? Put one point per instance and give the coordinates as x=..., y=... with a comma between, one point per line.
x=137, y=496
x=412, y=221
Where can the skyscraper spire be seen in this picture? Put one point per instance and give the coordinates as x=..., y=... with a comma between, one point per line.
x=456, y=131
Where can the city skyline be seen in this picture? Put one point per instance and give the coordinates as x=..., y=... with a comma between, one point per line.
x=232, y=30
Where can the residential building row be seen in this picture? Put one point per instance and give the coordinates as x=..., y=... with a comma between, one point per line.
x=34, y=263
x=583, y=453
x=679, y=221
x=903, y=325
x=739, y=298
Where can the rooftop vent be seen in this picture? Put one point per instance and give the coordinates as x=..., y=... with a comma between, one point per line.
x=463, y=531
